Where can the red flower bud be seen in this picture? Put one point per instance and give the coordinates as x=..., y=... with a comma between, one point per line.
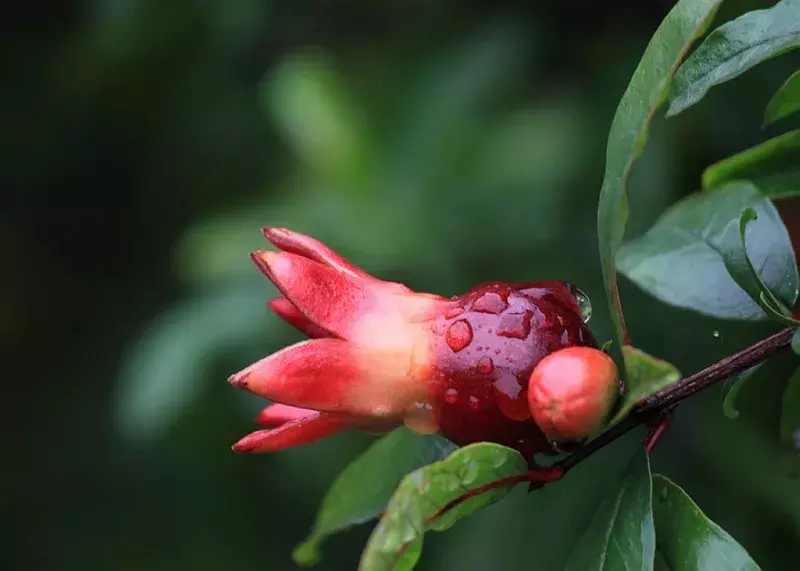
x=382, y=355
x=571, y=391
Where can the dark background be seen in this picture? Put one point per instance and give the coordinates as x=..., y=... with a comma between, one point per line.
x=439, y=143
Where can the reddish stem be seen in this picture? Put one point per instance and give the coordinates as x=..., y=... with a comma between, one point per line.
x=657, y=408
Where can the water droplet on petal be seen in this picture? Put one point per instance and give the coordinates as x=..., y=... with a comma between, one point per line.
x=516, y=325
x=421, y=419
x=474, y=403
x=485, y=365
x=450, y=396
x=459, y=335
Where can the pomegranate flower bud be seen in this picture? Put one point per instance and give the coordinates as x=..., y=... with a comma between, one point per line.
x=571, y=392
x=381, y=355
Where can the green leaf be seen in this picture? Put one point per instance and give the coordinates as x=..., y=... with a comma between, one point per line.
x=731, y=388
x=785, y=101
x=364, y=488
x=790, y=413
x=646, y=375
x=621, y=534
x=687, y=540
x=396, y=542
x=645, y=93
x=741, y=269
x=796, y=342
x=733, y=48
x=681, y=259
x=773, y=166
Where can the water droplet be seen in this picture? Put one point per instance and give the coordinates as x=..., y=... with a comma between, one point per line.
x=485, y=365
x=512, y=398
x=516, y=325
x=421, y=419
x=497, y=351
x=421, y=424
x=450, y=396
x=474, y=403
x=715, y=333
x=565, y=337
x=584, y=303
x=490, y=303
x=663, y=493
x=459, y=335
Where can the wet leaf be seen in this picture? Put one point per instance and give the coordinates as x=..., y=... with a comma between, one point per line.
x=741, y=269
x=681, y=260
x=364, y=488
x=621, y=534
x=733, y=48
x=687, y=540
x=773, y=166
x=645, y=93
x=396, y=542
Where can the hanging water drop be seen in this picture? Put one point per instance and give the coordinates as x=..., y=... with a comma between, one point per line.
x=584, y=303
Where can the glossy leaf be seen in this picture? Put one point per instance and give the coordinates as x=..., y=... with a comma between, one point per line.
x=733, y=48
x=396, y=542
x=773, y=166
x=741, y=269
x=364, y=488
x=645, y=93
x=785, y=101
x=731, y=388
x=621, y=534
x=790, y=413
x=687, y=540
x=681, y=259
x=646, y=375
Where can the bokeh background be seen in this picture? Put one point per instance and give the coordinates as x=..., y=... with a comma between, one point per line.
x=438, y=143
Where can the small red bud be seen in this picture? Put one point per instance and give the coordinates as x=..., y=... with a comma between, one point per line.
x=571, y=391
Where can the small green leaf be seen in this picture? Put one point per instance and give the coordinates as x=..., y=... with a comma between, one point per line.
x=364, y=488
x=773, y=166
x=796, y=342
x=785, y=101
x=621, y=534
x=689, y=541
x=731, y=388
x=790, y=413
x=681, y=259
x=396, y=542
x=645, y=93
x=733, y=48
x=646, y=375
x=741, y=269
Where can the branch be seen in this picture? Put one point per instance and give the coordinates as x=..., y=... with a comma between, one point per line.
x=653, y=408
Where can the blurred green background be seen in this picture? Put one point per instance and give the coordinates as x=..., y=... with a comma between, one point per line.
x=438, y=143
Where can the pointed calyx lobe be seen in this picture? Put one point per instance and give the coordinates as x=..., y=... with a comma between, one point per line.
x=381, y=355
